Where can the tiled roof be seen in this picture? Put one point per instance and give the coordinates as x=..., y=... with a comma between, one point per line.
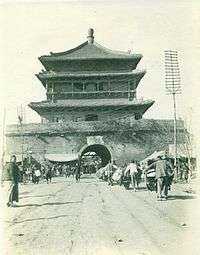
x=77, y=103
x=51, y=74
x=89, y=51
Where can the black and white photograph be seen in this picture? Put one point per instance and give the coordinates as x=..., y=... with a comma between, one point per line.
x=99, y=127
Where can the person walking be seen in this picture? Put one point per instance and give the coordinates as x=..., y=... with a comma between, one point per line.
x=132, y=170
x=110, y=172
x=37, y=174
x=78, y=172
x=138, y=174
x=164, y=172
x=48, y=173
x=11, y=179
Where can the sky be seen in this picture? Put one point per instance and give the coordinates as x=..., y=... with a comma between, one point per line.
x=31, y=29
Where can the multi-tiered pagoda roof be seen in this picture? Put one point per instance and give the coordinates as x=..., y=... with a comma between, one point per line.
x=91, y=75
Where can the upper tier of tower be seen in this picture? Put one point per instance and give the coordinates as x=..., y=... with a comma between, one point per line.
x=90, y=56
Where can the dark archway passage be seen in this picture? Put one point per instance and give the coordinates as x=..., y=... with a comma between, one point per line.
x=100, y=150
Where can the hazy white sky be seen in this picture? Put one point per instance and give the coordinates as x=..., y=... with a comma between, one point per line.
x=29, y=30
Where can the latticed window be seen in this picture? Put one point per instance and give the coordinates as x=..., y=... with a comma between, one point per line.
x=63, y=87
x=123, y=85
x=78, y=87
x=90, y=86
x=103, y=86
x=132, y=85
x=50, y=88
x=119, y=86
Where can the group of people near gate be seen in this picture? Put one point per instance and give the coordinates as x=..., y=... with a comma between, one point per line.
x=159, y=175
x=159, y=179
x=34, y=173
x=118, y=174
x=13, y=174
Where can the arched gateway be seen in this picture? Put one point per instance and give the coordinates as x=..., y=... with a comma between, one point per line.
x=100, y=150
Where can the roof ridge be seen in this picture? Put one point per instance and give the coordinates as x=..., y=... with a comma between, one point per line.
x=67, y=51
x=94, y=45
x=113, y=51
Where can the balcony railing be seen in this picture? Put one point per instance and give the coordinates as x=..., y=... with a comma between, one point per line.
x=90, y=94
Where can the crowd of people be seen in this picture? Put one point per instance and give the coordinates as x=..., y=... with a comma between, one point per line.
x=157, y=174
x=158, y=179
x=14, y=174
x=46, y=171
x=115, y=174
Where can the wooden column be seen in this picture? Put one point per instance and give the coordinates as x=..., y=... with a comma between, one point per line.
x=109, y=87
x=135, y=87
x=72, y=89
x=97, y=87
x=129, y=89
x=53, y=90
x=47, y=88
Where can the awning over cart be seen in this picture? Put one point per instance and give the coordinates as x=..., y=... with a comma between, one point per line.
x=62, y=157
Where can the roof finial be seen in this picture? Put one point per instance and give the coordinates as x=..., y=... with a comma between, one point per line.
x=90, y=36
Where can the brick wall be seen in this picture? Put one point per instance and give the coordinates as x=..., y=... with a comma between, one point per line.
x=124, y=145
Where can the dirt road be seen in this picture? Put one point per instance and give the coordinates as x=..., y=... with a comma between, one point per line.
x=92, y=218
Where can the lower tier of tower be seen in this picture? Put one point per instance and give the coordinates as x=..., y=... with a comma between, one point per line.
x=119, y=141
x=91, y=110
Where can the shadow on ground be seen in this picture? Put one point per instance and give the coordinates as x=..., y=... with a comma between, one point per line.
x=88, y=176
x=48, y=195
x=181, y=197
x=138, y=189
x=41, y=218
x=46, y=204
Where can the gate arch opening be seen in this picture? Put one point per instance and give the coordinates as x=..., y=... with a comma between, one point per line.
x=100, y=150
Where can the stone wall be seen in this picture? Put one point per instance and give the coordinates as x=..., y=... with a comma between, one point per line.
x=124, y=143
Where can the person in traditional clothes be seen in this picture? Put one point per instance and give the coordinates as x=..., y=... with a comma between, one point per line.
x=78, y=172
x=132, y=170
x=48, y=173
x=110, y=172
x=164, y=173
x=11, y=179
x=37, y=175
x=138, y=175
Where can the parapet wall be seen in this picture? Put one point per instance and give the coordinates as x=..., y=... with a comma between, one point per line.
x=92, y=127
x=125, y=139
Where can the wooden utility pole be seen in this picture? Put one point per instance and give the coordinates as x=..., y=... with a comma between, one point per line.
x=173, y=87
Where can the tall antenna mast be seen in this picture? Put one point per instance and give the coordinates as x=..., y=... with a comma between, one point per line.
x=173, y=87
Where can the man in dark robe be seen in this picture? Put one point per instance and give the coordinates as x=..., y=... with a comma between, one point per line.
x=11, y=179
x=78, y=171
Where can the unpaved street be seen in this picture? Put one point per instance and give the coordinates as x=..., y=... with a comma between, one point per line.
x=90, y=218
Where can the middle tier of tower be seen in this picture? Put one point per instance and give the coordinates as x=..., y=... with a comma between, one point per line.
x=64, y=85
